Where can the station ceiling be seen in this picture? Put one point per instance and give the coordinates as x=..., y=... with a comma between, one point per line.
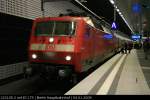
x=105, y=10
x=136, y=13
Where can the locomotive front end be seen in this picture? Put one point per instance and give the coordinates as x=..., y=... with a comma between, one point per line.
x=52, y=46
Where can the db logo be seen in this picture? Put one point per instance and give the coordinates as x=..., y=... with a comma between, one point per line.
x=51, y=47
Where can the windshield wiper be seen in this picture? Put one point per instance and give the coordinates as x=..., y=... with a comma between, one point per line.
x=54, y=27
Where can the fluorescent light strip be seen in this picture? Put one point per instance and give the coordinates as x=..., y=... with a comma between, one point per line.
x=120, y=13
x=126, y=23
x=118, y=10
x=112, y=2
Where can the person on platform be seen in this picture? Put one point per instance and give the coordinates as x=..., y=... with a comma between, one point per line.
x=122, y=49
x=125, y=47
x=129, y=46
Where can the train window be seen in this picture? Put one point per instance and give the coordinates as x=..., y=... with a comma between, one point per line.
x=65, y=28
x=87, y=33
x=55, y=28
x=98, y=26
x=44, y=28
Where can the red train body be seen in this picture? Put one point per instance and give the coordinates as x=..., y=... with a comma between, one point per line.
x=68, y=43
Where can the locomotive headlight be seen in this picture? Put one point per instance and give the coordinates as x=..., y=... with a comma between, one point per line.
x=51, y=39
x=68, y=58
x=34, y=56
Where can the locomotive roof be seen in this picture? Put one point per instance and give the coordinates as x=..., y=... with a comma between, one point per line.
x=88, y=20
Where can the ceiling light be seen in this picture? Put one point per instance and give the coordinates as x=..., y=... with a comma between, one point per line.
x=83, y=1
x=118, y=10
x=111, y=1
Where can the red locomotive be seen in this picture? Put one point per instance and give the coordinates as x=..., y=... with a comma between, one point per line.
x=67, y=46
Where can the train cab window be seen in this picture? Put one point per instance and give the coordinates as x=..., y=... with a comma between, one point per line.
x=44, y=28
x=55, y=28
x=65, y=28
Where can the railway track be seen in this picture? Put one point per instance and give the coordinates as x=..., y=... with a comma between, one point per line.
x=38, y=86
x=35, y=86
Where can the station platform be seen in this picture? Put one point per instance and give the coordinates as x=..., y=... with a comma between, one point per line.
x=132, y=79
x=124, y=74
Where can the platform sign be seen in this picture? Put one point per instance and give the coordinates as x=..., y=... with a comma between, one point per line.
x=136, y=37
x=113, y=26
x=136, y=7
x=107, y=36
